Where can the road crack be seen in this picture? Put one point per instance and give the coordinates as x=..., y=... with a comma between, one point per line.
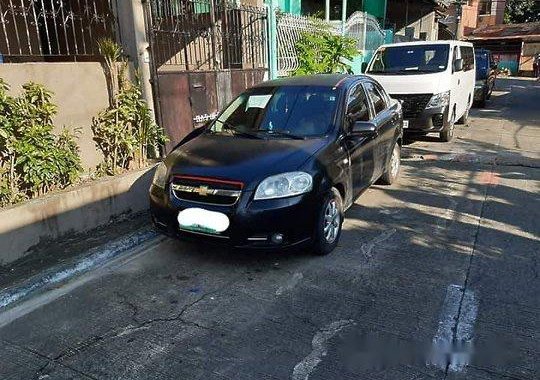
x=127, y=330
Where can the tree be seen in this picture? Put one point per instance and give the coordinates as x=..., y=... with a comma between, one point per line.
x=520, y=11
x=322, y=52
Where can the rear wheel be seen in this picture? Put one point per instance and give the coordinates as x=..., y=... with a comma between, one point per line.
x=329, y=223
x=448, y=134
x=391, y=169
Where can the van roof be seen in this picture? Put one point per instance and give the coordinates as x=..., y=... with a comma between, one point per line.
x=437, y=42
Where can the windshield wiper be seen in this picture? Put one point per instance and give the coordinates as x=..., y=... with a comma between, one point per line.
x=232, y=128
x=283, y=134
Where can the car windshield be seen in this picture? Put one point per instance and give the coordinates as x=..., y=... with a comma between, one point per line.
x=410, y=59
x=482, y=65
x=280, y=112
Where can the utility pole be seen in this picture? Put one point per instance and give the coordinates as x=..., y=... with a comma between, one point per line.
x=327, y=11
x=343, y=16
x=459, y=13
x=272, y=43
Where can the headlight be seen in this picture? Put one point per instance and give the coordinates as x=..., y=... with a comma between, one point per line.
x=160, y=176
x=284, y=185
x=439, y=100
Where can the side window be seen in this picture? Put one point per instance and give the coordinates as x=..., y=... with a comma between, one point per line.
x=377, y=97
x=467, y=54
x=357, y=104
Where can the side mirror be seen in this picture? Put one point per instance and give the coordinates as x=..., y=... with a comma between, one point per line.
x=458, y=65
x=363, y=68
x=363, y=129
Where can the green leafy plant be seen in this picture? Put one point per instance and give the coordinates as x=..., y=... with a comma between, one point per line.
x=323, y=52
x=35, y=160
x=125, y=132
x=520, y=11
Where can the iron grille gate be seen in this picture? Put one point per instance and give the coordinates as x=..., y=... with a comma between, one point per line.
x=35, y=30
x=203, y=53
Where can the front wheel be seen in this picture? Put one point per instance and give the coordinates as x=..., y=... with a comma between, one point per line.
x=392, y=166
x=448, y=134
x=329, y=223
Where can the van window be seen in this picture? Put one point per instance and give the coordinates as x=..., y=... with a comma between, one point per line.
x=378, y=99
x=410, y=59
x=467, y=54
x=357, y=104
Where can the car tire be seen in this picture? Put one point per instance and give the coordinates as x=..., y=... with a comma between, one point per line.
x=482, y=103
x=329, y=224
x=448, y=134
x=392, y=166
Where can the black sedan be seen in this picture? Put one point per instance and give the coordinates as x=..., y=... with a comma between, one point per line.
x=281, y=164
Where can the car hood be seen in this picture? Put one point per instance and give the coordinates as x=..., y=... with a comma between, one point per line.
x=406, y=84
x=241, y=159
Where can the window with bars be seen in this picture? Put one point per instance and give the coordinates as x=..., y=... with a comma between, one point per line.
x=484, y=7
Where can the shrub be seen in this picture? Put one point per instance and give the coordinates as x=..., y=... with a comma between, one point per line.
x=323, y=53
x=125, y=132
x=34, y=159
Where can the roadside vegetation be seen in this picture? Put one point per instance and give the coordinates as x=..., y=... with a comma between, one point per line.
x=323, y=52
x=125, y=132
x=34, y=159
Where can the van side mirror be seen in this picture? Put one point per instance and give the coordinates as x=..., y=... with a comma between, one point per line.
x=458, y=65
x=363, y=129
x=363, y=68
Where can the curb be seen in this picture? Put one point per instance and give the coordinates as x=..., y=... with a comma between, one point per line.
x=93, y=258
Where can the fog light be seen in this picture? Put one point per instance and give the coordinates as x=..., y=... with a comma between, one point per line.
x=277, y=238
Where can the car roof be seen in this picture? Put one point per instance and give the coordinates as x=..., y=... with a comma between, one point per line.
x=324, y=80
x=437, y=42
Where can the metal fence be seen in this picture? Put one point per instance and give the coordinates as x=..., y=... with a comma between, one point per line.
x=200, y=35
x=289, y=30
x=365, y=30
x=360, y=26
x=33, y=30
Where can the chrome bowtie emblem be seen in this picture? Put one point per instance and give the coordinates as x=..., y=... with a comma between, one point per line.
x=202, y=191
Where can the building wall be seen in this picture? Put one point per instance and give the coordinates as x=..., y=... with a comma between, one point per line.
x=469, y=18
x=494, y=17
x=427, y=26
x=80, y=91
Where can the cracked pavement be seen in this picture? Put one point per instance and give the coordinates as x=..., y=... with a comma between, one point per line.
x=462, y=215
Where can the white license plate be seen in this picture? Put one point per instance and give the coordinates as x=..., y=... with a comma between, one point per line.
x=201, y=220
x=405, y=124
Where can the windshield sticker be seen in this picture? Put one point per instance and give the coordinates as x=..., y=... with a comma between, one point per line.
x=258, y=101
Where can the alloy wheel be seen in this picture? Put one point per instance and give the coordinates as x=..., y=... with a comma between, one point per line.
x=332, y=220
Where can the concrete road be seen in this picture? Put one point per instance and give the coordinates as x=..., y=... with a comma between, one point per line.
x=435, y=277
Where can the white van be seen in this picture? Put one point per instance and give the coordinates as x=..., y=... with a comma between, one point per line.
x=433, y=79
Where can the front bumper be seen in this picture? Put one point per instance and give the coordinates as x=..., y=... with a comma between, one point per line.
x=252, y=223
x=429, y=120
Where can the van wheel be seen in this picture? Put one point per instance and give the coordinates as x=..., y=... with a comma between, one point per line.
x=329, y=223
x=448, y=134
x=392, y=166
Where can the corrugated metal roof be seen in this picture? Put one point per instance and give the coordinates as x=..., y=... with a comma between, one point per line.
x=506, y=31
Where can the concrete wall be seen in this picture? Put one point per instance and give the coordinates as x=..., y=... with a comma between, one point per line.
x=427, y=24
x=80, y=91
x=77, y=210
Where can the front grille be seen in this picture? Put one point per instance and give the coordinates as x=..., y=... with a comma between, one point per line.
x=206, y=190
x=413, y=104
